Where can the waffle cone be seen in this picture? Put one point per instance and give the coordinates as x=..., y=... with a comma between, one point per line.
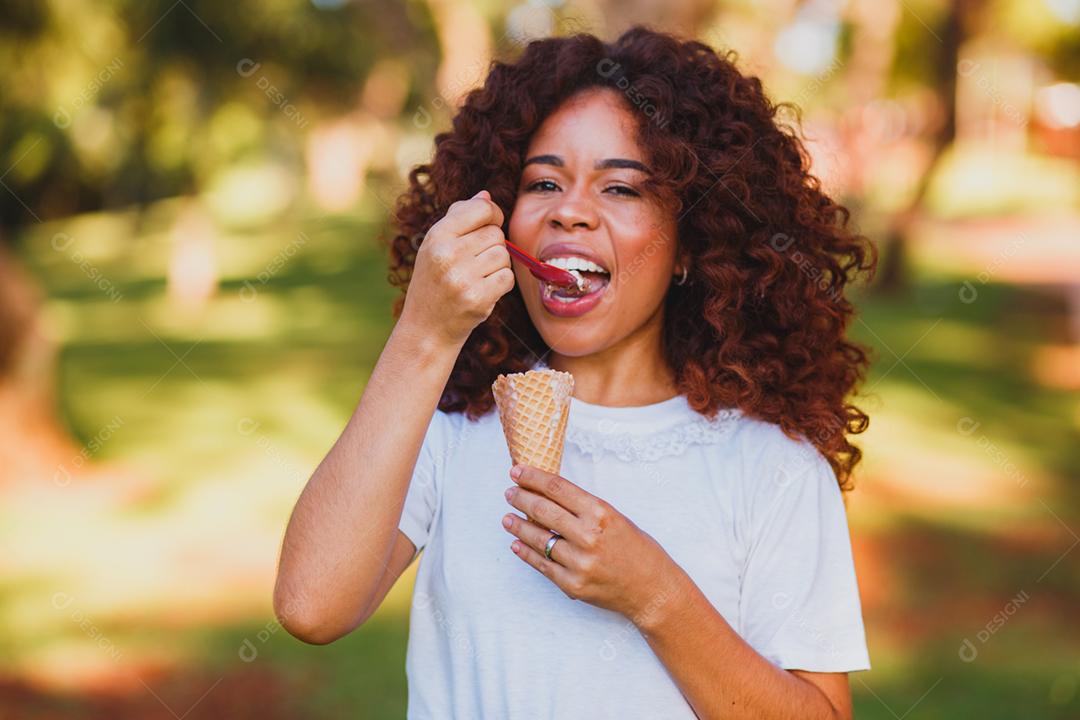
x=534, y=407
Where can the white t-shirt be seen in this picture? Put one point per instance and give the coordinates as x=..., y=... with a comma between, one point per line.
x=756, y=519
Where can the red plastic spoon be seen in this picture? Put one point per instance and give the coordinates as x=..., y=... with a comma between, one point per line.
x=541, y=270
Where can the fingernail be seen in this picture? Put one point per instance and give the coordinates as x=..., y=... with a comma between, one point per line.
x=507, y=522
x=509, y=492
x=515, y=472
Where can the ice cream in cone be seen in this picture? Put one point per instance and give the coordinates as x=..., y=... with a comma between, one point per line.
x=534, y=407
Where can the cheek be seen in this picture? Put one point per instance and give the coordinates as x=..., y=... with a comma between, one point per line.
x=647, y=260
x=523, y=227
x=641, y=287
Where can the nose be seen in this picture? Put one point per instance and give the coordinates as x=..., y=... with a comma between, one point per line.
x=572, y=212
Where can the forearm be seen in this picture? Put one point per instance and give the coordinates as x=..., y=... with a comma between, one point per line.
x=720, y=675
x=343, y=526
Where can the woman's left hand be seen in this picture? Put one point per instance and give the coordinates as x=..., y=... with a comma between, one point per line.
x=602, y=558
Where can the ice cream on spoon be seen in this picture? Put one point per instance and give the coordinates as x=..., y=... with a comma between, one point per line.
x=591, y=271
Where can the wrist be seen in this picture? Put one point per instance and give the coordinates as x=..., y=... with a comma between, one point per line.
x=666, y=603
x=423, y=341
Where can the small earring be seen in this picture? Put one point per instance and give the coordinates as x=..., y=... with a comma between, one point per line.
x=682, y=280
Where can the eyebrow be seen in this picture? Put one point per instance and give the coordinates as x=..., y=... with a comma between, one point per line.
x=605, y=164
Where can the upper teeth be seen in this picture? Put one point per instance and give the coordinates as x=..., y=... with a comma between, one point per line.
x=575, y=263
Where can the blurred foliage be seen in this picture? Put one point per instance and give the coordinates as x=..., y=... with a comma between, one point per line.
x=117, y=116
x=955, y=536
x=105, y=104
x=112, y=103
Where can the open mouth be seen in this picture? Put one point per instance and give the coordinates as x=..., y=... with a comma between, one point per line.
x=592, y=278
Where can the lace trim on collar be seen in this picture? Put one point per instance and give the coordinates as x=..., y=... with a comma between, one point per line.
x=644, y=448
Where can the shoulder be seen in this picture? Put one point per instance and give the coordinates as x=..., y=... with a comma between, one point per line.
x=449, y=435
x=450, y=430
x=767, y=445
x=769, y=463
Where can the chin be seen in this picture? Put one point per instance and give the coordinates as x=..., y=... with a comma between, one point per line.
x=574, y=343
x=571, y=337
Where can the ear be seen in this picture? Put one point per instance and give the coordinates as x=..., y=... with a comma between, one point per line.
x=682, y=259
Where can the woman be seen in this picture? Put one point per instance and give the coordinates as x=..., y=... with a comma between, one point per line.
x=701, y=562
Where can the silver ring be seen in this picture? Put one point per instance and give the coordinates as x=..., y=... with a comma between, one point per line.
x=555, y=537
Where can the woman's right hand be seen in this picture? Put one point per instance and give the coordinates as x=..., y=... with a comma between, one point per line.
x=462, y=268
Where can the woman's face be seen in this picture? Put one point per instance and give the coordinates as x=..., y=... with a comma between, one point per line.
x=580, y=205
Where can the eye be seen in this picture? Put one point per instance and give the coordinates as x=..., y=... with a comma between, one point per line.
x=548, y=186
x=623, y=190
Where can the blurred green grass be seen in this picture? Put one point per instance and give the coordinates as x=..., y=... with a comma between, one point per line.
x=225, y=440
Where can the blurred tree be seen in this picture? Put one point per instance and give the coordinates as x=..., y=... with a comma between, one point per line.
x=32, y=441
x=109, y=104
x=685, y=17
x=943, y=49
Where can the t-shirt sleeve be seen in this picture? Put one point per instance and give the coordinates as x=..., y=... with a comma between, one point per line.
x=799, y=605
x=421, y=500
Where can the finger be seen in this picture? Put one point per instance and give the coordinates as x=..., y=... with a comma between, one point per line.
x=467, y=215
x=485, y=195
x=494, y=258
x=545, y=513
x=499, y=282
x=553, y=571
x=559, y=489
x=537, y=538
x=482, y=238
x=499, y=218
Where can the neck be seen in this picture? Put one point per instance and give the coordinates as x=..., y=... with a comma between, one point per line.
x=632, y=372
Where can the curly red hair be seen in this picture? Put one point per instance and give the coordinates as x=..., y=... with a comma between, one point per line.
x=761, y=325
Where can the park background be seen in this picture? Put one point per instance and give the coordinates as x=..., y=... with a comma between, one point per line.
x=194, y=200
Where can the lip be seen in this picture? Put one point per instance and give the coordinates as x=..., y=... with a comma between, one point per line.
x=572, y=249
x=574, y=308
